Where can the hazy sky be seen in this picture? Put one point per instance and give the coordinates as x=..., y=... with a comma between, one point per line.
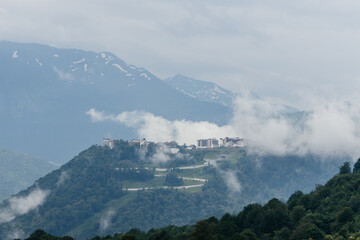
x=287, y=51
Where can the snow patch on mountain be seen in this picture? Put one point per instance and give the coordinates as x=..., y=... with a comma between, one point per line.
x=80, y=61
x=38, y=61
x=15, y=54
x=108, y=58
x=119, y=67
x=202, y=90
x=145, y=76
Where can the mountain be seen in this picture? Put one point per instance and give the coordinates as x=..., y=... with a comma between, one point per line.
x=331, y=211
x=46, y=91
x=104, y=190
x=18, y=171
x=213, y=93
x=202, y=90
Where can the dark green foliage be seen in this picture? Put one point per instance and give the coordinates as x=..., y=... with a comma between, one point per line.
x=297, y=213
x=329, y=212
x=345, y=215
x=96, y=182
x=42, y=235
x=307, y=230
x=173, y=180
x=345, y=168
x=357, y=166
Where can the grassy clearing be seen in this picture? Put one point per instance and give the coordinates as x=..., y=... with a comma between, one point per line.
x=155, y=182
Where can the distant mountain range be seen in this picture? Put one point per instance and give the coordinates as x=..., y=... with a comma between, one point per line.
x=19, y=170
x=45, y=93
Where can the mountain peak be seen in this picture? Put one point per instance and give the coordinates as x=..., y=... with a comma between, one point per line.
x=201, y=90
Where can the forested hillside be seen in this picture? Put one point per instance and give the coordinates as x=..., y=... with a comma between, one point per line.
x=104, y=190
x=331, y=211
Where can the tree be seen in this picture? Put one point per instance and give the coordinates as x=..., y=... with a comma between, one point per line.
x=345, y=168
x=357, y=166
x=307, y=230
x=297, y=213
x=202, y=231
x=172, y=179
x=345, y=215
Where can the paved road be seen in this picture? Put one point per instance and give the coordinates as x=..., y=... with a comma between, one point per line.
x=207, y=163
x=164, y=187
x=195, y=179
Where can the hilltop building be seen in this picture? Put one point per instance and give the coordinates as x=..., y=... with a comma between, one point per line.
x=140, y=142
x=208, y=143
x=223, y=142
x=109, y=142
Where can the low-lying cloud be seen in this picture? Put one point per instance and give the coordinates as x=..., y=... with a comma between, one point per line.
x=62, y=178
x=329, y=129
x=105, y=221
x=15, y=234
x=231, y=181
x=22, y=205
x=162, y=155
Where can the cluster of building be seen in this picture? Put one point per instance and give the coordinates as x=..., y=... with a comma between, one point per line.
x=201, y=143
x=222, y=142
x=140, y=142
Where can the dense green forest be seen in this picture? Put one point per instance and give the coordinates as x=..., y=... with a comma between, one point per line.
x=331, y=211
x=102, y=190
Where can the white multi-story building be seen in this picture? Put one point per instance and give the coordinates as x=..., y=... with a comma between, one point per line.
x=208, y=143
x=223, y=142
x=108, y=142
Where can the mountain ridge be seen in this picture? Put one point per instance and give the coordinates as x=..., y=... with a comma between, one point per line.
x=20, y=170
x=44, y=89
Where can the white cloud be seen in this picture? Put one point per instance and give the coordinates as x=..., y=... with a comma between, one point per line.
x=231, y=181
x=162, y=155
x=15, y=234
x=328, y=130
x=22, y=205
x=160, y=129
x=62, y=178
x=105, y=220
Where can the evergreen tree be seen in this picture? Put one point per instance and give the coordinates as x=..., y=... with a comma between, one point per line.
x=345, y=168
x=357, y=166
